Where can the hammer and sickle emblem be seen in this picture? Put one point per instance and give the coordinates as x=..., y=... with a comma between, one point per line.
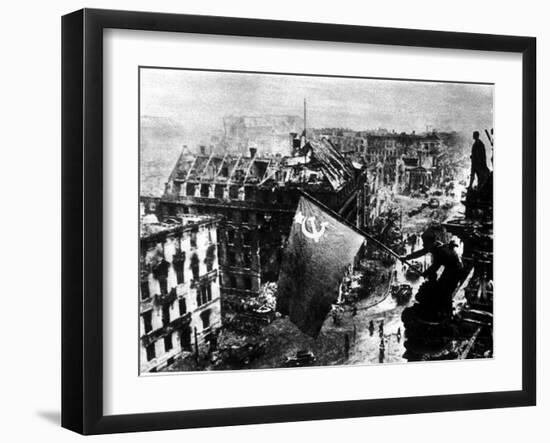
x=313, y=233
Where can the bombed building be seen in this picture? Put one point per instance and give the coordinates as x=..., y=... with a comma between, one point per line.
x=256, y=196
x=179, y=288
x=410, y=161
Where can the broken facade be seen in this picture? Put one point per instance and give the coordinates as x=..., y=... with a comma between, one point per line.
x=407, y=161
x=179, y=288
x=256, y=198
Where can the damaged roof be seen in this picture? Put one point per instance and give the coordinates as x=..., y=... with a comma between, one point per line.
x=336, y=168
x=321, y=156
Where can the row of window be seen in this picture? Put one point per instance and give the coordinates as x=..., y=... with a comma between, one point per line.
x=247, y=236
x=148, y=315
x=185, y=337
x=160, y=272
x=194, y=235
x=231, y=282
x=246, y=258
x=151, y=352
x=250, y=193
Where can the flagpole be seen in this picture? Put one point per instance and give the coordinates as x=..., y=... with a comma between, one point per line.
x=356, y=229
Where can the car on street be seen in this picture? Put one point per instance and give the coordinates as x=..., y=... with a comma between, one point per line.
x=302, y=358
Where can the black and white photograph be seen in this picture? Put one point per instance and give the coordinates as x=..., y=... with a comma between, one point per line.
x=300, y=220
x=275, y=221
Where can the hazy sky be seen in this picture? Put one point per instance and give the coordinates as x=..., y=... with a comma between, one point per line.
x=198, y=100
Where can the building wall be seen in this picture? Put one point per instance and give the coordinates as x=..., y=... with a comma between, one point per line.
x=177, y=308
x=250, y=239
x=262, y=214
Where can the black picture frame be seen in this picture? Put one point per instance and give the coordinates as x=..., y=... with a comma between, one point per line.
x=82, y=218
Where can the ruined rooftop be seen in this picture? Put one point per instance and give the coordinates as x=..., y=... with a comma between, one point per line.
x=316, y=163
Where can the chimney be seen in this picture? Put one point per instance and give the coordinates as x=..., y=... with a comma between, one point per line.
x=252, y=152
x=292, y=136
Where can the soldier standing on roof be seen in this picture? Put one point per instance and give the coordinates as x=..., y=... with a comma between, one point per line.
x=442, y=255
x=479, y=163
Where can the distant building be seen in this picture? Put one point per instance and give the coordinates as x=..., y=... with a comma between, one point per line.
x=179, y=288
x=269, y=133
x=409, y=161
x=256, y=197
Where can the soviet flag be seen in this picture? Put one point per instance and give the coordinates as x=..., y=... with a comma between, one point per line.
x=319, y=250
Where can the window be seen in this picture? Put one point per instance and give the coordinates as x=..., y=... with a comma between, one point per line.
x=204, y=295
x=163, y=281
x=179, y=263
x=179, y=272
x=210, y=257
x=230, y=236
x=247, y=237
x=145, y=289
x=185, y=338
x=182, y=306
x=248, y=283
x=247, y=258
x=168, y=342
x=147, y=321
x=150, y=352
x=232, y=281
x=233, y=192
x=160, y=272
x=195, y=266
x=165, y=315
x=193, y=239
x=231, y=258
x=205, y=317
